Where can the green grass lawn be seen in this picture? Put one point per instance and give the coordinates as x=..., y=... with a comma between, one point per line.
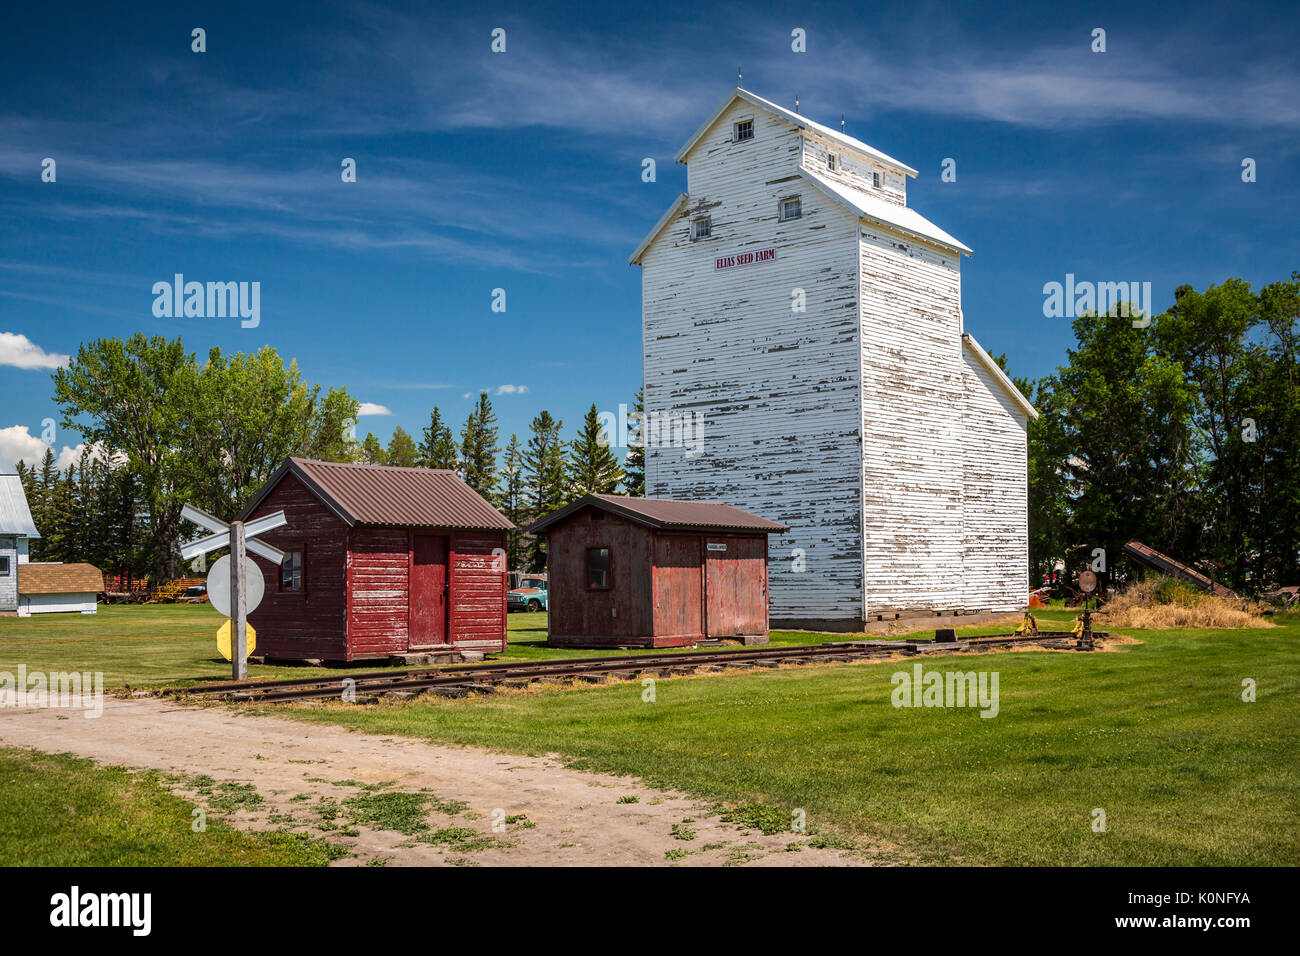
x=156, y=644
x=1155, y=734
x=62, y=811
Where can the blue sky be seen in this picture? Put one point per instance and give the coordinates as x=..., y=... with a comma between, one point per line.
x=522, y=171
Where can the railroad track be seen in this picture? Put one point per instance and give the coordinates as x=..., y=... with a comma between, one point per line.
x=458, y=681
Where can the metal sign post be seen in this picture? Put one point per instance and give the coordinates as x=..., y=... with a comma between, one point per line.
x=1087, y=584
x=240, y=538
x=238, y=603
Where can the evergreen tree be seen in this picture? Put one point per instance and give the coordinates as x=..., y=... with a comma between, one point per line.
x=372, y=452
x=593, y=467
x=438, y=449
x=401, y=449
x=513, y=502
x=478, y=449
x=634, y=464
x=544, y=476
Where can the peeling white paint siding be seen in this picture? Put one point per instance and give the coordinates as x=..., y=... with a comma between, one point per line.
x=779, y=389
x=911, y=414
x=853, y=170
x=996, y=494
x=898, y=464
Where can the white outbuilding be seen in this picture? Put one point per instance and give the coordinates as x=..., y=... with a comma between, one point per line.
x=16, y=530
x=805, y=359
x=52, y=587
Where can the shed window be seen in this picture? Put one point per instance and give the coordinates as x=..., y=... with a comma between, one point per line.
x=744, y=130
x=291, y=571
x=830, y=161
x=598, y=567
x=701, y=228
x=875, y=180
x=791, y=208
x=4, y=566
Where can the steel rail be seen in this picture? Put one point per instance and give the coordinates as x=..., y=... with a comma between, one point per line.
x=469, y=676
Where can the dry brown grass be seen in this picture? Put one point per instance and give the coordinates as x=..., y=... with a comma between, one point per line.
x=1159, y=603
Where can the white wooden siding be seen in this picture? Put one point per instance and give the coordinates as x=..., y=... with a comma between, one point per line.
x=911, y=411
x=9, y=582
x=995, y=562
x=779, y=389
x=83, y=603
x=899, y=467
x=853, y=170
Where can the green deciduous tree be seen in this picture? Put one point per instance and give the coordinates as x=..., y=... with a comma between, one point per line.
x=206, y=434
x=138, y=395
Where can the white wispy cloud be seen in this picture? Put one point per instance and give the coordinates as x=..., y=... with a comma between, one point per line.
x=512, y=389
x=371, y=408
x=19, y=351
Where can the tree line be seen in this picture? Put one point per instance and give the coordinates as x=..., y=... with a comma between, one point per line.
x=527, y=480
x=162, y=428
x=1181, y=430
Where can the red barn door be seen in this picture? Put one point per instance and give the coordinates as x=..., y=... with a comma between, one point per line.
x=736, y=586
x=428, y=590
x=679, y=586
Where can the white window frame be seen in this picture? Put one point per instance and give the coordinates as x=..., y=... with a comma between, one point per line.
x=875, y=178
x=735, y=130
x=831, y=161
x=780, y=208
x=708, y=227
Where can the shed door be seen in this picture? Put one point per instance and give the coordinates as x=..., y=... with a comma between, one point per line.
x=428, y=590
x=679, y=586
x=736, y=586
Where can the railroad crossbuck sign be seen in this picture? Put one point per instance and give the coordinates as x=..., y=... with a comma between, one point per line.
x=234, y=577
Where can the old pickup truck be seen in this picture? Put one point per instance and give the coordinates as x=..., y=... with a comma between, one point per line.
x=530, y=595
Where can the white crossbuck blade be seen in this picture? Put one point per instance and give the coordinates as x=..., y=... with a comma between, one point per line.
x=221, y=538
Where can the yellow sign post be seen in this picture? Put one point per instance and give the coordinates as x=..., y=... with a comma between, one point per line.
x=223, y=639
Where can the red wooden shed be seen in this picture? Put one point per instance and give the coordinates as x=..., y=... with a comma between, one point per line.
x=650, y=572
x=382, y=561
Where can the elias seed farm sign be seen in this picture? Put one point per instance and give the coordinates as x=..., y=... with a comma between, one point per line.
x=744, y=258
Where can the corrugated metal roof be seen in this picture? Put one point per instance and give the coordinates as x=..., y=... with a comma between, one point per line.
x=667, y=514
x=15, y=516
x=391, y=496
x=59, y=579
x=902, y=218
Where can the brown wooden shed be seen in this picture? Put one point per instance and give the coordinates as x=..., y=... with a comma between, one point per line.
x=650, y=572
x=382, y=561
